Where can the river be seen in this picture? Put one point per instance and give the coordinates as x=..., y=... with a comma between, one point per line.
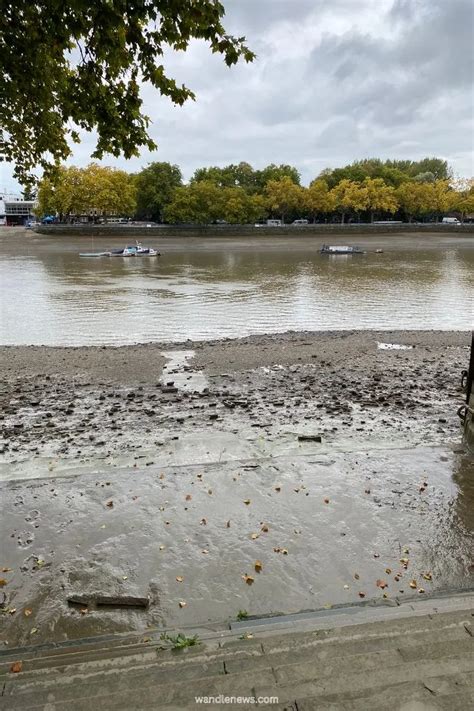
x=210, y=289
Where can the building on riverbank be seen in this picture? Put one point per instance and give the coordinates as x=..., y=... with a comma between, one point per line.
x=14, y=210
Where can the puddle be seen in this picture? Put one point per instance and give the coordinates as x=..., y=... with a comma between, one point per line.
x=393, y=347
x=178, y=371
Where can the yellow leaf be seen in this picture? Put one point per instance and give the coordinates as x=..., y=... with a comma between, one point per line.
x=258, y=566
x=246, y=502
x=179, y=578
x=248, y=579
x=3, y=582
x=264, y=528
x=182, y=603
x=413, y=584
x=27, y=612
x=16, y=667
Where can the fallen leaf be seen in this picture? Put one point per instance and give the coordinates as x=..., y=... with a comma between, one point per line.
x=427, y=576
x=209, y=491
x=110, y=504
x=83, y=610
x=12, y=610
x=376, y=555
x=254, y=536
x=188, y=497
x=39, y=562
x=227, y=524
x=248, y=579
x=381, y=584
x=404, y=562
x=362, y=594
x=162, y=548
x=278, y=487
x=277, y=550
x=205, y=551
x=179, y=578
x=246, y=502
x=34, y=630
x=162, y=476
x=367, y=491
x=413, y=584
x=356, y=576
x=284, y=551
x=388, y=570
x=258, y=566
x=421, y=590
x=326, y=501
x=3, y=582
x=264, y=528
x=6, y=570
x=199, y=476
x=16, y=667
x=203, y=522
x=27, y=612
x=247, y=635
x=182, y=603
x=124, y=577
x=346, y=587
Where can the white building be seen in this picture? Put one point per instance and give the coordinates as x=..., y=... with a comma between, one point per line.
x=14, y=210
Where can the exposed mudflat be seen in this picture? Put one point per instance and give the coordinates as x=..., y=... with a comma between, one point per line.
x=332, y=459
x=78, y=403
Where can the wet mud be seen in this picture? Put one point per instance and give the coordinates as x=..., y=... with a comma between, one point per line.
x=268, y=474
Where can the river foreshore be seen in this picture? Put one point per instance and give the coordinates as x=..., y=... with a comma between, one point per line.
x=80, y=402
x=264, y=474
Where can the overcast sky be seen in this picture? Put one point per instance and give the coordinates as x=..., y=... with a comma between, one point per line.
x=334, y=81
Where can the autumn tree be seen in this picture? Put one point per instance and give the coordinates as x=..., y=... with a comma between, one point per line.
x=318, y=199
x=349, y=196
x=155, y=186
x=274, y=172
x=283, y=196
x=414, y=199
x=79, y=64
x=463, y=197
x=380, y=197
x=439, y=197
x=78, y=191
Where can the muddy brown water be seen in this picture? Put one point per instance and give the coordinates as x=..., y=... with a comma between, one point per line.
x=213, y=288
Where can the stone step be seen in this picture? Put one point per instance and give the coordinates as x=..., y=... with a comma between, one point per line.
x=237, y=656
x=355, y=683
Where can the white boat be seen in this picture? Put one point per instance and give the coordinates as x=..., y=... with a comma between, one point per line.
x=340, y=249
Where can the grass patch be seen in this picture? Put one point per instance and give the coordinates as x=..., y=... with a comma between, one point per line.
x=242, y=615
x=179, y=641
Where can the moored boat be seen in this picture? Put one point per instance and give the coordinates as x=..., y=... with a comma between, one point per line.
x=340, y=249
x=136, y=250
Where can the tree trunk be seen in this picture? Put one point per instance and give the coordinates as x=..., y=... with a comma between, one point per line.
x=342, y=218
x=371, y=215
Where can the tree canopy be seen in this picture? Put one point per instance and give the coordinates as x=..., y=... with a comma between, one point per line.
x=392, y=172
x=69, y=64
x=155, y=186
x=76, y=191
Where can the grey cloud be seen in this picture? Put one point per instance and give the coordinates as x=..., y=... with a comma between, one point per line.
x=333, y=82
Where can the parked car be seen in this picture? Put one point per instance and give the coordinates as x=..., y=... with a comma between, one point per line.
x=300, y=222
x=450, y=221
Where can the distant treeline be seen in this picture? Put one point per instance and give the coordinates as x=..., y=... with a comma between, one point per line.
x=239, y=194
